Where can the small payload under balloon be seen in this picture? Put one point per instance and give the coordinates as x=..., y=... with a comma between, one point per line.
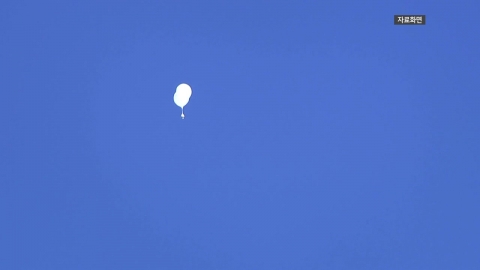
x=182, y=96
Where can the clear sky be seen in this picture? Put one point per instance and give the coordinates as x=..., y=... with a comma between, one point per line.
x=318, y=136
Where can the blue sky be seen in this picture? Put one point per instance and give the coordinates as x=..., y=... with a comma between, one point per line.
x=318, y=135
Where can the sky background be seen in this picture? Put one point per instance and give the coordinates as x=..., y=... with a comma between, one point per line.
x=318, y=136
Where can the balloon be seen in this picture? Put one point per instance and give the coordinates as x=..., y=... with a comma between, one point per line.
x=182, y=96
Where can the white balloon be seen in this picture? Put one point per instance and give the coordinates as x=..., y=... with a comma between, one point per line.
x=184, y=89
x=180, y=100
x=182, y=96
